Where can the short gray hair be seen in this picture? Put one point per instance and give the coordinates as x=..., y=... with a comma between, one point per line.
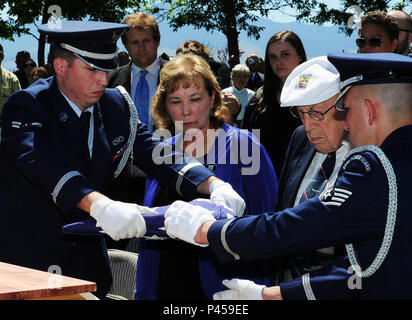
x=240, y=68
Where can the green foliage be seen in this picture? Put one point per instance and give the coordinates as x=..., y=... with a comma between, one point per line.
x=21, y=13
x=319, y=13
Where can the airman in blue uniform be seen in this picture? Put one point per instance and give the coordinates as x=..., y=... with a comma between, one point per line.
x=55, y=169
x=367, y=209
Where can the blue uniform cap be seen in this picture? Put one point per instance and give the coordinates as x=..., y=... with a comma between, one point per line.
x=369, y=68
x=95, y=43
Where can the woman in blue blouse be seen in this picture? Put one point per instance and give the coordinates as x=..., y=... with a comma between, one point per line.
x=188, y=106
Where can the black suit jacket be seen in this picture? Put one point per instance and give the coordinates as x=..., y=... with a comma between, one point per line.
x=256, y=83
x=299, y=155
x=122, y=76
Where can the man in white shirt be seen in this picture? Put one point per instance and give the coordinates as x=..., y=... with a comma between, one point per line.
x=141, y=42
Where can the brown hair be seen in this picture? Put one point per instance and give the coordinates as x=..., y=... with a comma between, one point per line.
x=40, y=71
x=195, y=47
x=185, y=70
x=58, y=52
x=386, y=21
x=142, y=21
x=271, y=82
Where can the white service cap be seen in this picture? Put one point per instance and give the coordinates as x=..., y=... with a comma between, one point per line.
x=311, y=82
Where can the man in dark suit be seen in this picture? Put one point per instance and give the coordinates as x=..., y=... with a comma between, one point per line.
x=323, y=135
x=253, y=61
x=64, y=139
x=141, y=42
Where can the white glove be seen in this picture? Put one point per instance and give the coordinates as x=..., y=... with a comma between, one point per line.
x=222, y=192
x=240, y=290
x=182, y=220
x=120, y=220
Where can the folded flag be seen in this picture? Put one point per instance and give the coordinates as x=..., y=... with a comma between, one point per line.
x=154, y=222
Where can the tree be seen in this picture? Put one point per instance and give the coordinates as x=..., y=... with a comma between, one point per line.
x=227, y=16
x=21, y=13
x=350, y=13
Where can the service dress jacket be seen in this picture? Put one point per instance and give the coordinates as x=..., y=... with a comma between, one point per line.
x=43, y=176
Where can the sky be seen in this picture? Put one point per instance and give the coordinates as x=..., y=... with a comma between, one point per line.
x=313, y=37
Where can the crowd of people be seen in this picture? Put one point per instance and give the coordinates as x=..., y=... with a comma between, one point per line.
x=280, y=141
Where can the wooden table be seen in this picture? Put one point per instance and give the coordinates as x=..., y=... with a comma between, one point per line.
x=18, y=283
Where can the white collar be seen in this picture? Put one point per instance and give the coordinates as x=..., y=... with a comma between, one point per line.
x=152, y=69
x=75, y=108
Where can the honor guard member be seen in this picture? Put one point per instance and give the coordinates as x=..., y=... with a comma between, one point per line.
x=64, y=140
x=368, y=207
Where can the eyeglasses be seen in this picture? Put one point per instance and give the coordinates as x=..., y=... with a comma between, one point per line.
x=251, y=60
x=406, y=30
x=33, y=65
x=373, y=42
x=315, y=115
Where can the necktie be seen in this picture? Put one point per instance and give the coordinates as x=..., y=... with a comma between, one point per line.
x=85, y=121
x=319, y=181
x=302, y=263
x=141, y=98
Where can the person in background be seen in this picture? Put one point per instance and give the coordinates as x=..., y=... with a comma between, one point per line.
x=404, y=22
x=39, y=73
x=188, y=102
x=123, y=58
x=21, y=58
x=284, y=52
x=256, y=78
x=141, y=76
x=378, y=32
x=29, y=66
x=220, y=69
x=9, y=83
x=239, y=76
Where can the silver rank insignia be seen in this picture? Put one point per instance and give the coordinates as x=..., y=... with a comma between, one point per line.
x=118, y=140
x=335, y=196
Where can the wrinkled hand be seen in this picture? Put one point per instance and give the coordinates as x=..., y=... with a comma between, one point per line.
x=240, y=290
x=222, y=192
x=182, y=221
x=120, y=220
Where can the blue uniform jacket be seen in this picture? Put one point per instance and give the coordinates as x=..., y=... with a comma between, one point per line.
x=42, y=178
x=360, y=219
x=259, y=191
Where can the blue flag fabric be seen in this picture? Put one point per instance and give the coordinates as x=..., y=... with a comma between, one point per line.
x=154, y=222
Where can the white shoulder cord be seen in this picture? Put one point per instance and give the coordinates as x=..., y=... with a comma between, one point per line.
x=134, y=121
x=390, y=220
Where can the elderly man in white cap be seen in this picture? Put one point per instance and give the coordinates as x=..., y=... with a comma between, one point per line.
x=314, y=156
x=316, y=150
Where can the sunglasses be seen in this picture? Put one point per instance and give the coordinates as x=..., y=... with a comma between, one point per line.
x=30, y=65
x=373, y=42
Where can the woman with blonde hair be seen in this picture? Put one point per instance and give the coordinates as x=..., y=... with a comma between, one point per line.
x=188, y=112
